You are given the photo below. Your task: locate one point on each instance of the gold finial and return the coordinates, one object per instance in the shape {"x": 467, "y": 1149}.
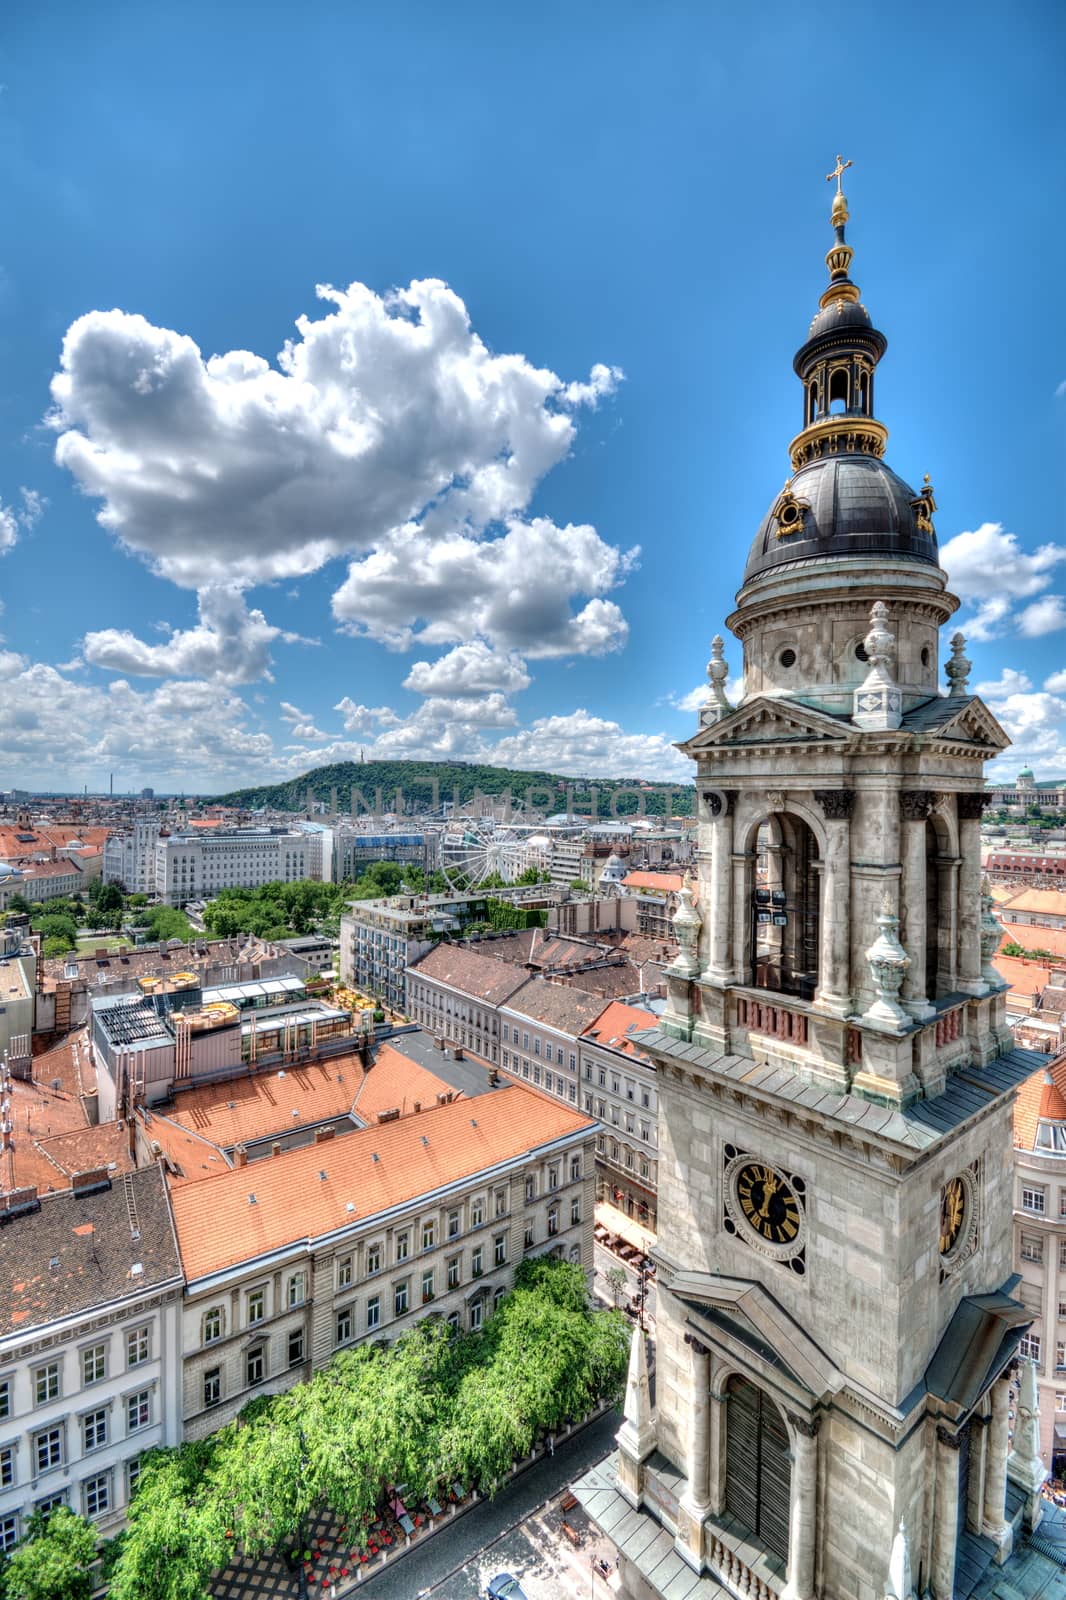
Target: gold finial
{"x": 838, "y": 172}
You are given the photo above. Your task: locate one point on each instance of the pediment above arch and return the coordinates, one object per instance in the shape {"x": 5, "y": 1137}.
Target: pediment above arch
{"x": 949, "y": 718}
{"x": 767, "y": 719}
{"x": 747, "y": 1312}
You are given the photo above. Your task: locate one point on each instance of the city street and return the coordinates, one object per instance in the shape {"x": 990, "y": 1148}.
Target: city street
{"x": 604, "y": 1260}
{"x": 518, "y": 1532}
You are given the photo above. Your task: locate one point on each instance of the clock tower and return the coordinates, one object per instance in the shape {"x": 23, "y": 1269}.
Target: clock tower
{"x": 836, "y": 1324}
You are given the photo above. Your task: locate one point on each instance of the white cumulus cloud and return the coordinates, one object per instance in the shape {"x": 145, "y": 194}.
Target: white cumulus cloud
{"x": 515, "y": 591}
{"x": 363, "y": 719}
{"x": 15, "y": 519}
{"x": 386, "y": 410}
{"x": 473, "y": 668}
{"x": 229, "y": 642}
{"x": 1010, "y": 681}
{"x": 583, "y": 744}
{"x": 301, "y": 724}
{"x": 988, "y": 567}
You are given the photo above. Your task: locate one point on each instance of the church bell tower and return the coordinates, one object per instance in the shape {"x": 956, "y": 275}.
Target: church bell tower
{"x": 835, "y": 1074}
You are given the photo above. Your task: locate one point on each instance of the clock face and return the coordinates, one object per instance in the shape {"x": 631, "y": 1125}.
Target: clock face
{"x": 768, "y": 1204}
{"x": 952, "y": 1214}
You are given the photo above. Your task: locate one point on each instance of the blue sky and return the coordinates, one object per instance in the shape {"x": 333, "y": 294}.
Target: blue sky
{"x": 418, "y": 536}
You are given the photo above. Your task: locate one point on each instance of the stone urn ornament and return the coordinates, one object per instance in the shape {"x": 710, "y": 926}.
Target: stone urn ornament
{"x": 716, "y": 706}
{"x": 877, "y": 702}
{"x": 888, "y": 963}
{"x": 687, "y": 923}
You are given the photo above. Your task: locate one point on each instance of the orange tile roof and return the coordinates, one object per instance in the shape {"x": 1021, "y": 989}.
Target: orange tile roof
{"x": 246, "y": 1109}
{"x": 613, "y": 1024}
{"x": 395, "y": 1081}
{"x": 1032, "y": 938}
{"x": 1040, "y": 1098}
{"x": 1026, "y": 978}
{"x": 1049, "y": 902}
{"x": 668, "y": 882}
{"x": 13, "y": 839}
{"x": 304, "y": 1193}
{"x": 82, "y": 1149}
{"x": 254, "y": 1107}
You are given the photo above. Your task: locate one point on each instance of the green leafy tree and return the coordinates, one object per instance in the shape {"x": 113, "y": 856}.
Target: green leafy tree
{"x": 616, "y": 1282}
{"x": 531, "y": 876}
{"x": 109, "y": 899}
{"x": 18, "y": 903}
{"x": 53, "y": 947}
{"x": 53, "y": 1561}
{"x": 58, "y": 925}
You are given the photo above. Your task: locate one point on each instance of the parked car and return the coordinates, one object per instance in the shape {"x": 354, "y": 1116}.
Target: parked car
{"x": 505, "y": 1586}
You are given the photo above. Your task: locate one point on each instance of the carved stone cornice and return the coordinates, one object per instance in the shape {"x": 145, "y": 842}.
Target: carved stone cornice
{"x": 945, "y": 1436}
{"x": 980, "y": 1422}
{"x": 697, "y": 1346}
{"x": 972, "y": 805}
{"x": 836, "y": 804}
{"x": 917, "y": 804}
{"x": 808, "y": 1426}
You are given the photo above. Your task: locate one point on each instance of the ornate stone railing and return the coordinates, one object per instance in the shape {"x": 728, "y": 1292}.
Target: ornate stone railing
{"x": 949, "y": 1026}
{"x": 771, "y": 1018}
{"x": 734, "y": 1573}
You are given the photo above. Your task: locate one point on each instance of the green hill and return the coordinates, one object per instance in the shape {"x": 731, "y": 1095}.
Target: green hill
{"x": 459, "y": 782}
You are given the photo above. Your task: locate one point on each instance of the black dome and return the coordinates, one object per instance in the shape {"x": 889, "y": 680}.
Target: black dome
{"x": 839, "y": 314}
{"x": 856, "y": 507}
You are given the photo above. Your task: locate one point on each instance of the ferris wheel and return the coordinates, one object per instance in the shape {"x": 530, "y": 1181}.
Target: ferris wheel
{"x": 473, "y": 849}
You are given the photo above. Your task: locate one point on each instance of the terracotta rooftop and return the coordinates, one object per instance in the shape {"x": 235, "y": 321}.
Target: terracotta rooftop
{"x": 1044, "y": 902}
{"x": 15, "y": 841}
{"x": 201, "y": 1126}
{"x": 40, "y": 1113}
{"x": 667, "y": 882}
{"x": 612, "y": 1026}
{"x": 78, "y": 1252}
{"x": 465, "y": 968}
{"x": 1026, "y": 978}
{"x": 302, "y": 1194}
{"x": 251, "y": 1107}
{"x": 83, "y": 1149}
{"x": 1041, "y": 1097}
{"x": 1035, "y": 938}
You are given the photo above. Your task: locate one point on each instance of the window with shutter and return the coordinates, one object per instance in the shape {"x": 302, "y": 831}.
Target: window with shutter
{"x": 758, "y": 1465}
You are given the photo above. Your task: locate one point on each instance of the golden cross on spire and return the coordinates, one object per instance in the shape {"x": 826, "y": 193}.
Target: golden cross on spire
{"x": 838, "y": 172}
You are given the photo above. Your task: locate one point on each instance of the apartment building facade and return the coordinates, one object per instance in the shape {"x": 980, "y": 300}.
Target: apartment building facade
{"x": 196, "y": 864}
{"x": 618, "y": 1089}
{"x": 90, "y": 1355}
{"x": 539, "y": 1029}
{"x": 284, "y": 1269}
{"x": 1040, "y": 1243}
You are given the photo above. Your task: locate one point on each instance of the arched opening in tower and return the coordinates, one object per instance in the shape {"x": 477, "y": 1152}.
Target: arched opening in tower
{"x": 785, "y": 911}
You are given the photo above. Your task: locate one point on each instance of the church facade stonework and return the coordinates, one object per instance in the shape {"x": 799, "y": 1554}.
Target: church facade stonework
{"x": 837, "y": 1328}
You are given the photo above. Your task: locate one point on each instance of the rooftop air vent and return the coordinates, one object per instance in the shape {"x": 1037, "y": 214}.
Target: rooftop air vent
{"x": 252, "y": 1200}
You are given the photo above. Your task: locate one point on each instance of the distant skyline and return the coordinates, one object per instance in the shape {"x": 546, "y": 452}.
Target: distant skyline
{"x": 489, "y": 496}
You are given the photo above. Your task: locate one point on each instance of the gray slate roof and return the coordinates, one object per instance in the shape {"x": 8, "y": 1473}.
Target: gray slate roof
{"x": 79, "y": 1252}
{"x": 918, "y": 1128}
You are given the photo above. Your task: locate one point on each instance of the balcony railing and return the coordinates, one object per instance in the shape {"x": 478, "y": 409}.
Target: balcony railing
{"x": 776, "y": 1021}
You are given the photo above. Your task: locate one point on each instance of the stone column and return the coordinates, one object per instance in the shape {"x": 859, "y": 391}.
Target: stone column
{"x": 742, "y": 863}
{"x": 948, "y": 933}
{"x": 994, "y": 1500}
{"x": 695, "y": 1502}
{"x": 803, "y": 1510}
{"x": 720, "y": 965}
{"x": 834, "y": 956}
{"x": 716, "y": 1486}
{"x": 916, "y": 805}
{"x": 945, "y": 1531}
{"x": 968, "y": 964}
